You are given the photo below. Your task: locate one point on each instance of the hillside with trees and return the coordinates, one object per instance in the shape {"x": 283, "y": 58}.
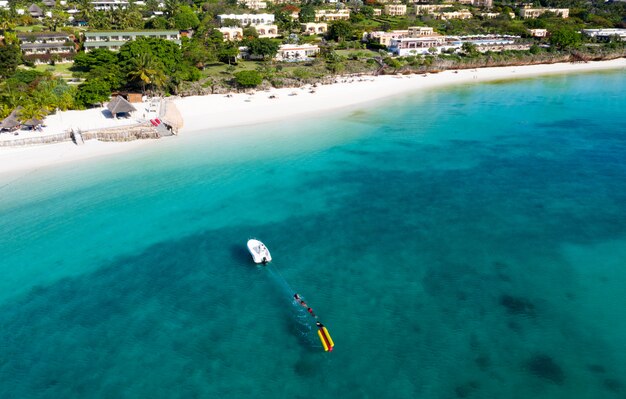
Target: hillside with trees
{"x": 205, "y": 60}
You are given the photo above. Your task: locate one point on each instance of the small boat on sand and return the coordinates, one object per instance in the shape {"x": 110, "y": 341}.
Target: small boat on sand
{"x": 259, "y": 252}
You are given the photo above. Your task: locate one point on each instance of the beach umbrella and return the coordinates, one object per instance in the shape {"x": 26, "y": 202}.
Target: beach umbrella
{"x": 172, "y": 117}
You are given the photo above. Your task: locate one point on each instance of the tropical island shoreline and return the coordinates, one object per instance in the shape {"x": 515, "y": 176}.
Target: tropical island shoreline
{"x": 206, "y": 114}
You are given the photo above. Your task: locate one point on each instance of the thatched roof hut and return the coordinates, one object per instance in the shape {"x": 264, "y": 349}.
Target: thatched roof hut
{"x": 119, "y": 105}
{"x": 9, "y": 123}
{"x": 35, "y": 11}
{"x": 33, "y": 122}
{"x": 12, "y": 121}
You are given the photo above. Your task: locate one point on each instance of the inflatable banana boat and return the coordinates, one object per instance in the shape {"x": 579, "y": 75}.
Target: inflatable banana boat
{"x": 327, "y": 341}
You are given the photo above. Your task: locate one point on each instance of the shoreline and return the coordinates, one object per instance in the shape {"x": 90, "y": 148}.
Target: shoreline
{"x": 205, "y": 114}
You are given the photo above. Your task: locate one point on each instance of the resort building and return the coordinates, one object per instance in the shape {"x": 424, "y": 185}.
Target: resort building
{"x": 231, "y": 33}
{"x": 482, "y": 3}
{"x": 42, "y": 48}
{"x": 113, "y": 40}
{"x": 416, "y": 31}
{"x": 395, "y": 9}
{"x": 314, "y": 28}
{"x": 461, "y": 14}
{"x": 268, "y": 31}
{"x": 528, "y": 12}
{"x": 385, "y": 38}
{"x": 108, "y": 5}
{"x": 606, "y": 34}
{"x": 296, "y": 52}
{"x": 378, "y": 12}
{"x": 4, "y": 4}
{"x": 254, "y": 4}
{"x": 538, "y": 32}
{"x": 417, "y": 45}
{"x": 331, "y": 15}
{"x": 248, "y": 19}
{"x": 489, "y": 15}
{"x": 429, "y": 8}
{"x": 486, "y": 43}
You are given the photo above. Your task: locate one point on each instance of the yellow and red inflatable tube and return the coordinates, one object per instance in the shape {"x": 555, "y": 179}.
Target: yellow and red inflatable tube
{"x": 327, "y": 341}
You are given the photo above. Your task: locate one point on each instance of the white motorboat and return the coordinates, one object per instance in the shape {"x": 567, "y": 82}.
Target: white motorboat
{"x": 259, "y": 252}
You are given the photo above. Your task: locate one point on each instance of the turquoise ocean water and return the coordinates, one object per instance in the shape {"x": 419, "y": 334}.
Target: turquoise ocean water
{"x": 459, "y": 243}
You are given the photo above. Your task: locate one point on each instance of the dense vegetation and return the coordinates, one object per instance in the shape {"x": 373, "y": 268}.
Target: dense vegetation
{"x": 206, "y": 63}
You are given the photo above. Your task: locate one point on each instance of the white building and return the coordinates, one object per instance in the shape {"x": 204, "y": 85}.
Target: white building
{"x": 267, "y": 30}
{"x": 296, "y": 52}
{"x": 418, "y": 45}
{"x": 395, "y": 9}
{"x": 248, "y": 19}
{"x": 528, "y": 12}
{"x": 384, "y": 38}
{"x": 331, "y": 15}
{"x": 105, "y": 5}
{"x": 416, "y": 31}
{"x": 606, "y": 34}
{"x": 461, "y": 14}
{"x": 231, "y": 33}
{"x": 254, "y": 4}
{"x": 538, "y": 32}
{"x": 113, "y": 40}
{"x": 314, "y": 28}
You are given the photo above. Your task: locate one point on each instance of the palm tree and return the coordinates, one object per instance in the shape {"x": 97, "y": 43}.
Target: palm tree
{"x": 6, "y": 22}
{"x": 86, "y": 10}
{"x": 146, "y": 71}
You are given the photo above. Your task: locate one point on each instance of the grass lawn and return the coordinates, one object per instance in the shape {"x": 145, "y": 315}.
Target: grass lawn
{"x": 222, "y": 70}
{"x": 29, "y": 28}
{"x": 362, "y": 53}
{"x": 58, "y": 69}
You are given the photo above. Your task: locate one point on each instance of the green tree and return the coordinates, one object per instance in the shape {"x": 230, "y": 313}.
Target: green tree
{"x": 470, "y": 49}
{"x": 93, "y": 91}
{"x": 196, "y": 53}
{"x": 100, "y": 20}
{"x": 166, "y": 52}
{"x": 172, "y": 7}
{"x": 228, "y": 54}
{"x": 264, "y": 47}
{"x": 186, "y": 18}
{"x": 86, "y": 10}
{"x": 146, "y": 71}
{"x": 157, "y": 23}
{"x": 248, "y": 78}
{"x": 565, "y": 38}
{"x": 95, "y": 58}
{"x": 307, "y": 13}
{"x": 250, "y": 32}
{"x": 393, "y": 63}
{"x": 7, "y": 22}
{"x": 10, "y": 58}
{"x": 340, "y": 30}
{"x": 367, "y": 11}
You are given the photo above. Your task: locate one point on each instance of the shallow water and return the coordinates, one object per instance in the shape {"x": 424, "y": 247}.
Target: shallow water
{"x": 466, "y": 242}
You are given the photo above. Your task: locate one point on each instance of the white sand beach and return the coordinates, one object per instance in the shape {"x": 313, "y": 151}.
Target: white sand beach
{"x": 207, "y": 114}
